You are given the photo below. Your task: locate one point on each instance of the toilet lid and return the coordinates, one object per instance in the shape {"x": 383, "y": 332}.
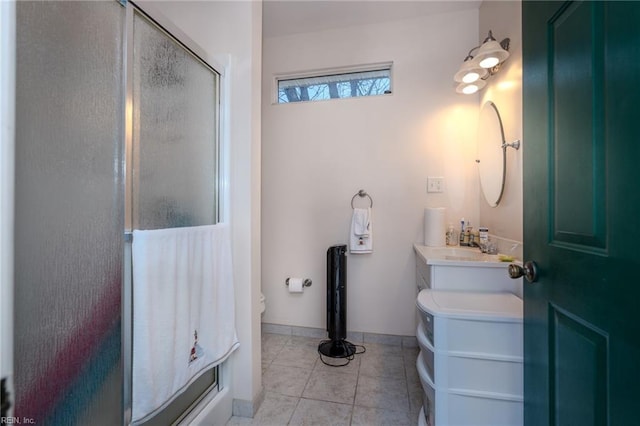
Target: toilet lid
{"x": 469, "y": 305}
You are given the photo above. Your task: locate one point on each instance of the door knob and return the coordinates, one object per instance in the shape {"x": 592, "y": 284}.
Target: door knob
{"x": 529, "y": 270}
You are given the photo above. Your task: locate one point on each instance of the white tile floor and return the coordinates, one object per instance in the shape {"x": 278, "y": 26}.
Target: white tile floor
{"x": 379, "y": 387}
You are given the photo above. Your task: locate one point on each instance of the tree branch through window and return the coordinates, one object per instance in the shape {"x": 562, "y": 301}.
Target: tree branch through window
{"x": 335, "y": 86}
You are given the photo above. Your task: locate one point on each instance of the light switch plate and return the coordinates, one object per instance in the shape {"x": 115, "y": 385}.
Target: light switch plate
{"x": 435, "y": 184}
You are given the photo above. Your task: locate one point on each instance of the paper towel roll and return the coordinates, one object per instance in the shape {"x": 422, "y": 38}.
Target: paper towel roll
{"x": 434, "y": 227}
{"x": 295, "y": 285}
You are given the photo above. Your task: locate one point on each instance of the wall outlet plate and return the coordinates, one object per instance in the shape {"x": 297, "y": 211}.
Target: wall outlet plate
{"x": 435, "y": 184}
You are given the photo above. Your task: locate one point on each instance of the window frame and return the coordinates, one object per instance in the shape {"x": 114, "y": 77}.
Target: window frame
{"x": 325, "y": 72}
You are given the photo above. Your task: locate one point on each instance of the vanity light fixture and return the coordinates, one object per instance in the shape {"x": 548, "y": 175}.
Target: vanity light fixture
{"x": 475, "y": 70}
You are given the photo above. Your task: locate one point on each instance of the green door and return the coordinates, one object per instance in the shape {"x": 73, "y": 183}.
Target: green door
{"x": 581, "y": 78}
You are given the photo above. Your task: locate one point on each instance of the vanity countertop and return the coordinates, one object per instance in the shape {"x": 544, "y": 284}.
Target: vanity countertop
{"x": 458, "y": 256}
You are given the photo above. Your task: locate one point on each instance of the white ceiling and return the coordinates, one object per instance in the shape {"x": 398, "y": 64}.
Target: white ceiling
{"x": 286, "y": 17}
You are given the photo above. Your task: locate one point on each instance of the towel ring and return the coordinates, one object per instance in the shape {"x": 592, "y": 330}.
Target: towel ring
{"x": 362, "y": 193}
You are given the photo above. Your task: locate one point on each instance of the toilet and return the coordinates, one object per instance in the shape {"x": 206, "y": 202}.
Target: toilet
{"x": 262, "y": 304}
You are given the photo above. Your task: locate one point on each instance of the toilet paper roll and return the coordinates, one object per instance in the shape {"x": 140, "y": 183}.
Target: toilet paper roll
{"x": 295, "y": 285}
{"x": 434, "y": 227}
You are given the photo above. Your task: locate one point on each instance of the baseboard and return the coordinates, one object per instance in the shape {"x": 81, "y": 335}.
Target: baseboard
{"x": 244, "y": 408}
{"x": 352, "y": 336}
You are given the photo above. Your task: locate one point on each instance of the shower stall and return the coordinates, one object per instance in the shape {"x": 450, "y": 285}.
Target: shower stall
{"x": 116, "y": 129}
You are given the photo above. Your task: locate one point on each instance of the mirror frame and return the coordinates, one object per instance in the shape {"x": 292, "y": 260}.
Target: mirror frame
{"x": 503, "y": 146}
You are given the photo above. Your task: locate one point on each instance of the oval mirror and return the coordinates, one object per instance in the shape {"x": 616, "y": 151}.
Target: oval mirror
{"x": 491, "y": 157}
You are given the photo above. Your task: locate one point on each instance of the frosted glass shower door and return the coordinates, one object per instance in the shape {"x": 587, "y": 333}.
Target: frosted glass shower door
{"x": 173, "y": 155}
{"x": 69, "y": 212}
{"x": 175, "y": 102}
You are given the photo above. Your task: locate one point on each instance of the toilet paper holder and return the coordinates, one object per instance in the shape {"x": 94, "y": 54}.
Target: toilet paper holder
{"x": 305, "y": 283}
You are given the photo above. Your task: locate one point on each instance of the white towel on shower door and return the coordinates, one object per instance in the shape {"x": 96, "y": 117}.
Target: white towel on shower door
{"x": 183, "y": 311}
{"x": 361, "y": 237}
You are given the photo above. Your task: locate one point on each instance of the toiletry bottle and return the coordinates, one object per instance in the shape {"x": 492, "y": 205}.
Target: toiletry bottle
{"x": 461, "y": 232}
{"x": 467, "y": 236}
{"x": 484, "y": 235}
{"x": 452, "y": 236}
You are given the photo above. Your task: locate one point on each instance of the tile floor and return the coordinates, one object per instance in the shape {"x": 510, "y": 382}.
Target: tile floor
{"x": 378, "y": 387}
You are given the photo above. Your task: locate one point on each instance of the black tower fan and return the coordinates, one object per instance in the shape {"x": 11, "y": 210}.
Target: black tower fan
{"x": 337, "y": 346}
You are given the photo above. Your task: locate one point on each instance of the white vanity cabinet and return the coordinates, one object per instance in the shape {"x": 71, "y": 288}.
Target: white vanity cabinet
{"x": 463, "y": 269}
{"x": 470, "y": 361}
{"x": 470, "y": 337}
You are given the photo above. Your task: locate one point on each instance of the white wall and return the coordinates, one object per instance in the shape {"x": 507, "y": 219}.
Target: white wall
{"x": 231, "y": 32}
{"x": 317, "y": 155}
{"x": 505, "y": 90}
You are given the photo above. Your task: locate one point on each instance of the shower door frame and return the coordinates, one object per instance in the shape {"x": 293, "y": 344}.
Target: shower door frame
{"x": 7, "y": 146}
{"x": 221, "y": 177}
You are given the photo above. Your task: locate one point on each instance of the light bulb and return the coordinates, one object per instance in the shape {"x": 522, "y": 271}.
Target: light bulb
{"x": 470, "y": 89}
{"x": 489, "y": 62}
{"x": 470, "y": 77}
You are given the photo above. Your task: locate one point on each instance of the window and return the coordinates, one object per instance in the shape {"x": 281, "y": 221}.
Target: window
{"x": 335, "y": 85}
